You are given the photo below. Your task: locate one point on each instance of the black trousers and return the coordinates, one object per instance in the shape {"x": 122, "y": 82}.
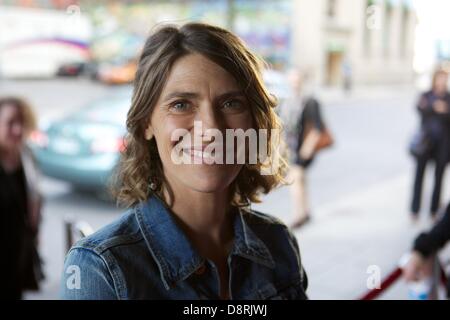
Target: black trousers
{"x": 440, "y": 157}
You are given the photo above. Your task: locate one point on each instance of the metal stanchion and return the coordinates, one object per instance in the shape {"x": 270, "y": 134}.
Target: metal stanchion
{"x": 68, "y": 233}
{"x": 75, "y": 231}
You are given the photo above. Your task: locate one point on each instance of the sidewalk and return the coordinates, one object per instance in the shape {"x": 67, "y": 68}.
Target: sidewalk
{"x": 336, "y": 95}
{"x": 362, "y": 229}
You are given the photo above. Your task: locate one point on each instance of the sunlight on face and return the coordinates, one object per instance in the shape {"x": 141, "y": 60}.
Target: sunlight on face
{"x": 11, "y": 127}
{"x": 441, "y": 83}
{"x": 196, "y": 90}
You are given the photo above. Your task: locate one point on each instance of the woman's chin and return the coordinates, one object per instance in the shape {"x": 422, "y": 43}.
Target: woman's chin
{"x": 209, "y": 186}
{"x": 208, "y": 182}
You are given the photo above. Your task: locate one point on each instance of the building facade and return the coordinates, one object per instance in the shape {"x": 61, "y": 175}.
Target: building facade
{"x": 368, "y": 41}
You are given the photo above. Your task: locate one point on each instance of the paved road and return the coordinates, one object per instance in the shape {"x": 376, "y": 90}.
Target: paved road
{"x": 359, "y": 189}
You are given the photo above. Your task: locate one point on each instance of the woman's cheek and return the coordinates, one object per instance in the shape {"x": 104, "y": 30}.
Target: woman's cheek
{"x": 243, "y": 121}
{"x": 169, "y": 134}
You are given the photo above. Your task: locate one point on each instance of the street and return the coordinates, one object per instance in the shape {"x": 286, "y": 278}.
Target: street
{"x": 360, "y": 189}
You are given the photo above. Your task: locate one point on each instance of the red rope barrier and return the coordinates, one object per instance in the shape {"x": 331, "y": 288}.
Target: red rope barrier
{"x": 387, "y": 282}
{"x": 393, "y": 277}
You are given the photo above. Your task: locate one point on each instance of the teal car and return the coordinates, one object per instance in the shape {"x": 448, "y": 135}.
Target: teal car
{"x": 84, "y": 148}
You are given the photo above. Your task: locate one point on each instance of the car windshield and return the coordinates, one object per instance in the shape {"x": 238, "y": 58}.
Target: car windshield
{"x": 111, "y": 110}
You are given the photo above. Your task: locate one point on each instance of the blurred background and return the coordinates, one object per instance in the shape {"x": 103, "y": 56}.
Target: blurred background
{"x": 366, "y": 61}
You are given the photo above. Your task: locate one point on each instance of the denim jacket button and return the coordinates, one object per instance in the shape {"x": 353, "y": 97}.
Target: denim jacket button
{"x": 201, "y": 270}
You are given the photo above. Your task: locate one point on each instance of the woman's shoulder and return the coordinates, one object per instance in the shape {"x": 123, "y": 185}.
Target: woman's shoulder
{"x": 267, "y": 226}
{"x": 122, "y": 231}
{"x": 426, "y": 94}
{"x": 311, "y": 102}
{"x": 257, "y": 217}
{"x": 279, "y": 240}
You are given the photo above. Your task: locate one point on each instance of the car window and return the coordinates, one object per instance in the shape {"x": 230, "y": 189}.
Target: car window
{"x": 106, "y": 110}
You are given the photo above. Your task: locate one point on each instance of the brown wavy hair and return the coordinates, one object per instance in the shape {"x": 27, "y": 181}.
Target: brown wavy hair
{"x": 140, "y": 162}
{"x": 26, "y": 112}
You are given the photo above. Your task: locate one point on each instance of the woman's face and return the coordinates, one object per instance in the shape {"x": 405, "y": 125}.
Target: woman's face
{"x": 11, "y": 127}
{"x": 198, "y": 90}
{"x": 441, "y": 83}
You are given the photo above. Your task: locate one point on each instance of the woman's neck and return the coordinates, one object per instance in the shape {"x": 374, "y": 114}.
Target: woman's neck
{"x": 204, "y": 215}
{"x": 439, "y": 93}
{"x": 9, "y": 159}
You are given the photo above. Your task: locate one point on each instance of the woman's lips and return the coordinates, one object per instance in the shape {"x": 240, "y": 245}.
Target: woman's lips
{"x": 199, "y": 154}
{"x": 204, "y": 154}
{"x": 215, "y": 154}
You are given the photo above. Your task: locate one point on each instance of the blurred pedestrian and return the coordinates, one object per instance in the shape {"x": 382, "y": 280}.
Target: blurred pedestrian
{"x": 347, "y": 76}
{"x": 306, "y": 137}
{"x": 432, "y": 142}
{"x": 20, "y": 201}
{"x": 425, "y": 246}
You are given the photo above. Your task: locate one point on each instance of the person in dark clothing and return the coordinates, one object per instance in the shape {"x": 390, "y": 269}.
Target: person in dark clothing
{"x": 310, "y": 123}
{"x": 434, "y": 109}
{"x": 19, "y": 199}
{"x": 13, "y": 212}
{"x": 304, "y": 126}
{"x": 425, "y": 246}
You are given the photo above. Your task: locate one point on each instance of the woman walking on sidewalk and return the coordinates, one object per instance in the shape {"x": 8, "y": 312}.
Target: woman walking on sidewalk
{"x": 433, "y": 141}
{"x": 306, "y": 137}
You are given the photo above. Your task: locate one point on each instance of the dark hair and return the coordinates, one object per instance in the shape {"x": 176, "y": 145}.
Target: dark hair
{"x": 140, "y": 161}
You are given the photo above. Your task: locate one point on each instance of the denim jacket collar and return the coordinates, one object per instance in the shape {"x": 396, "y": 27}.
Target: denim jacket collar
{"x": 176, "y": 258}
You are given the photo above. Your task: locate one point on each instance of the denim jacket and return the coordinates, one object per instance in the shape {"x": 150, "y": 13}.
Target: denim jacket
{"x": 145, "y": 255}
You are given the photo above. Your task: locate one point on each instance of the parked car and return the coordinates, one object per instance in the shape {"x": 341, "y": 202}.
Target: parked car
{"x": 276, "y": 83}
{"x": 84, "y": 148}
{"x": 118, "y": 71}
{"x": 71, "y": 69}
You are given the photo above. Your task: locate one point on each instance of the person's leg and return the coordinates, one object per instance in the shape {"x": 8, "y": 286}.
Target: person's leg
{"x": 448, "y": 288}
{"x": 299, "y": 196}
{"x": 418, "y": 183}
{"x": 438, "y": 177}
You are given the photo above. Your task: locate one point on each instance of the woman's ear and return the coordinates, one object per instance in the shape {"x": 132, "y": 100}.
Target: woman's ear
{"x": 149, "y": 133}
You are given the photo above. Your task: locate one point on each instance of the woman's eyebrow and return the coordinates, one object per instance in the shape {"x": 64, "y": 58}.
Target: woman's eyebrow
{"x": 238, "y": 93}
{"x": 181, "y": 94}
{"x": 192, "y": 95}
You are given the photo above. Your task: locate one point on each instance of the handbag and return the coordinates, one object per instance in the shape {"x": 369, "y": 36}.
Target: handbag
{"x": 325, "y": 140}
{"x": 420, "y": 144}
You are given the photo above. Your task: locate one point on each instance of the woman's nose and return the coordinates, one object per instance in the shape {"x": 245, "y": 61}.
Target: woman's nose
{"x": 17, "y": 130}
{"x": 209, "y": 117}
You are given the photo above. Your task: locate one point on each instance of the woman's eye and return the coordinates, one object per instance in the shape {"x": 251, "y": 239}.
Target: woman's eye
{"x": 180, "y": 106}
{"x": 233, "y": 104}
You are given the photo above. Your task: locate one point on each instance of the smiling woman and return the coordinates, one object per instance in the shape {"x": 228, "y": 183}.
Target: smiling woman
{"x": 189, "y": 232}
